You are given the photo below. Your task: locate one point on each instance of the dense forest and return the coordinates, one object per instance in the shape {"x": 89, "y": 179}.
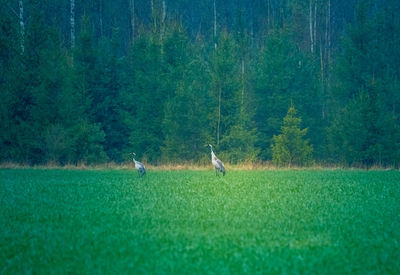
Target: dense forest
{"x": 90, "y": 81}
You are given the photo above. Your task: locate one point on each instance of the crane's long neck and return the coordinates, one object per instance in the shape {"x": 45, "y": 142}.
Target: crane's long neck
{"x": 212, "y": 153}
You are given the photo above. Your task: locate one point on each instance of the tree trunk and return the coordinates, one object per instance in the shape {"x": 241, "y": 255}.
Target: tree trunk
{"x": 22, "y": 25}
{"x": 101, "y": 17}
{"x": 311, "y": 28}
{"x": 251, "y": 27}
{"x": 315, "y": 26}
{"x": 322, "y": 81}
{"x": 268, "y": 16}
{"x": 329, "y": 35}
{"x": 164, "y": 12}
{"x": 328, "y": 50}
{"x": 72, "y": 22}
{"x": 132, "y": 6}
{"x": 153, "y": 16}
{"x": 215, "y": 25}
{"x": 163, "y": 17}
{"x": 329, "y": 30}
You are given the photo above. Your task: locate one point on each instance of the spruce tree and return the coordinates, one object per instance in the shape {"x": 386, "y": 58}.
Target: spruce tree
{"x": 290, "y": 147}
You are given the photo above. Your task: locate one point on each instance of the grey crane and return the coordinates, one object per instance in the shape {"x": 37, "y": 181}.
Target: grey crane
{"x": 139, "y": 166}
{"x": 219, "y": 166}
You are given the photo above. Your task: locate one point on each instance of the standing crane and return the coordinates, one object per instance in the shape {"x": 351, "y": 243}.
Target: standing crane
{"x": 219, "y": 166}
{"x": 139, "y": 166}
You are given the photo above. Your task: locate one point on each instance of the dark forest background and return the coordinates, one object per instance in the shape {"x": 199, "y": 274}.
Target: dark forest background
{"x": 90, "y": 81}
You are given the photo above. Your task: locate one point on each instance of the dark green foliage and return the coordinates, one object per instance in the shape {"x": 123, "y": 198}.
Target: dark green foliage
{"x": 366, "y": 130}
{"x": 9, "y": 68}
{"x": 290, "y": 148}
{"x": 185, "y": 123}
{"x": 89, "y": 137}
{"x": 144, "y": 98}
{"x": 239, "y": 145}
{"x": 150, "y": 80}
{"x": 283, "y": 74}
{"x": 364, "y": 134}
{"x": 225, "y": 84}
{"x": 107, "y": 99}
{"x": 39, "y": 91}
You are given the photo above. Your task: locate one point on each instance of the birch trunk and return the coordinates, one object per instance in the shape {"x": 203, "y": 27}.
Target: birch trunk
{"x": 163, "y": 16}
{"x": 101, "y": 17}
{"x": 329, "y": 31}
{"x": 132, "y": 4}
{"x": 328, "y": 47}
{"x": 322, "y": 80}
{"x": 72, "y": 22}
{"x": 215, "y": 25}
{"x": 152, "y": 15}
{"x": 164, "y": 12}
{"x": 251, "y": 27}
{"x": 311, "y": 27}
{"x": 268, "y": 16}
{"x": 315, "y": 26}
{"x": 22, "y": 25}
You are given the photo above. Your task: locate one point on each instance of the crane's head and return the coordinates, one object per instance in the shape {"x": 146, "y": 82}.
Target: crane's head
{"x": 210, "y": 145}
{"x": 132, "y": 154}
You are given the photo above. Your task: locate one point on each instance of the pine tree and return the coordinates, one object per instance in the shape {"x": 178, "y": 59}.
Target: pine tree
{"x": 290, "y": 147}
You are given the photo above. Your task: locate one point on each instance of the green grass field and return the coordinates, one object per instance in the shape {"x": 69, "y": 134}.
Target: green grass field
{"x": 283, "y": 221}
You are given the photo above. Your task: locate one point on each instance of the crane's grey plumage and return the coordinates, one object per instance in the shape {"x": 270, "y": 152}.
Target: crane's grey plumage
{"x": 219, "y": 166}
{"x": 139, "y": 166}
